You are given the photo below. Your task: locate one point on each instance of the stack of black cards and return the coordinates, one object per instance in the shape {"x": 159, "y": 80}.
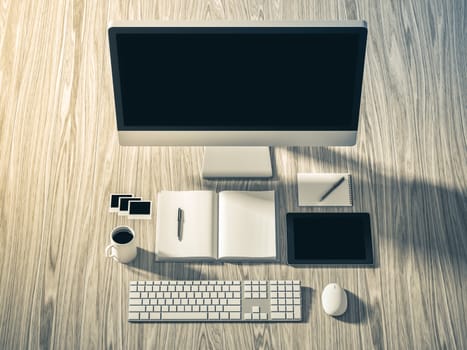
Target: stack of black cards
{"x": 131, "y": 206}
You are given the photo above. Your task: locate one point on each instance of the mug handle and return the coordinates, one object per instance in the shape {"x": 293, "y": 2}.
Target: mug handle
{"x": 107, "y": 249}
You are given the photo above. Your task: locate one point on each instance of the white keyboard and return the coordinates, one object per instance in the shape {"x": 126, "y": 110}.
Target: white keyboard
{"x": 218, "y": 301}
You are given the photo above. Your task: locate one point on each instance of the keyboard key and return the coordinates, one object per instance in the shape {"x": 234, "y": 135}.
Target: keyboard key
{"x": 136, "y": 308}
{"x": 234, "y": 302}
{"x": 224, "y": 315}
{"x": 184, "y": 316}
{"x": 144, "y": 316}
{"x": 213, "y": 315}
{"x": 235, "y": 315}
{"x": 247, "y": 316}
{"x": 133, "y": 316}
{"x": 155, "y": 316}
{"x": 232, "y": 308}
{"x": 297, "y": 312}
{"x": 277, "y": 315}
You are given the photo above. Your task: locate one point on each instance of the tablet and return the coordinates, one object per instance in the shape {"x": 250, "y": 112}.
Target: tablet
{"x": 329, "y": 238}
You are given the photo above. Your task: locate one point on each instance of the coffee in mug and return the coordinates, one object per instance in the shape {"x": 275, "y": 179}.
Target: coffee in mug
{"x": 122, "y": 247}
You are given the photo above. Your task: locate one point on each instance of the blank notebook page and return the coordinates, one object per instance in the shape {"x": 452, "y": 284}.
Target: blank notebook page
{"x": 247, "y": 224}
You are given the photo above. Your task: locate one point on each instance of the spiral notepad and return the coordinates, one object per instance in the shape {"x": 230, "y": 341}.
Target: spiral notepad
{"x": 311, "y": 187}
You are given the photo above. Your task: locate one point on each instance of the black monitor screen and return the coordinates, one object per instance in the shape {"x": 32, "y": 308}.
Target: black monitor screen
{"x": 237, "y": 78}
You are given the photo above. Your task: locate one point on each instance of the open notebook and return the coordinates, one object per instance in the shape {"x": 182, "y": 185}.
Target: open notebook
{"x": 231, "y": 225}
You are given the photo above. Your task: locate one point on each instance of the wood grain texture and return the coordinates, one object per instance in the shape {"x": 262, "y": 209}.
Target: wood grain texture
{"x": 60, "y": 159}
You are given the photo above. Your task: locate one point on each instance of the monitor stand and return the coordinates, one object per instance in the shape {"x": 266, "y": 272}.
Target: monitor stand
{"x": 237, "y": 162}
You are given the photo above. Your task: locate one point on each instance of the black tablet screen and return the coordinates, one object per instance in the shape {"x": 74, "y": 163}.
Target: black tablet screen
{"x": 329, "y": 238}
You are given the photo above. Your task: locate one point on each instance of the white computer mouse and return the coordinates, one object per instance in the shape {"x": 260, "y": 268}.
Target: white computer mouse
{"x": 334, "y": 299}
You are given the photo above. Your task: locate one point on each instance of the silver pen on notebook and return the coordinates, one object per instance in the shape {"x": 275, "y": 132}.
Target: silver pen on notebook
{"x": 323, "y": 197}
{"x": 179, "y": 223}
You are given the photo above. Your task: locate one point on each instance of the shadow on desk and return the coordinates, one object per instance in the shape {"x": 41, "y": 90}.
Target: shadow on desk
{"x": 356, "y": 310}
{"x": 414, "y": 216}
{"x": 307, "y": 295}
{"x": 146, "y": 261}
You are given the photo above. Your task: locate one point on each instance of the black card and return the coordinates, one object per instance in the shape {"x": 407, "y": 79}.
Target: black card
{"x": 140, "y": 208}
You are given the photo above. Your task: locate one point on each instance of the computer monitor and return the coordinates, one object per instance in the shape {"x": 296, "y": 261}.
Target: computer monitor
{"x": 247, "y": 83}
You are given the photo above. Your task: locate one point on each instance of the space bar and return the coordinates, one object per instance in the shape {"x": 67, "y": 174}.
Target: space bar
{"x": 184, "y": 316}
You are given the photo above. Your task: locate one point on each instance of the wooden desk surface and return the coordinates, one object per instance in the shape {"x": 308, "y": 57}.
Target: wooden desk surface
{"x": 60, "y": 159}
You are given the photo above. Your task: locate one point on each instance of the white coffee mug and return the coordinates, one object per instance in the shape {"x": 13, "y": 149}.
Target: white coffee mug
{"x": 122, "y": 247}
